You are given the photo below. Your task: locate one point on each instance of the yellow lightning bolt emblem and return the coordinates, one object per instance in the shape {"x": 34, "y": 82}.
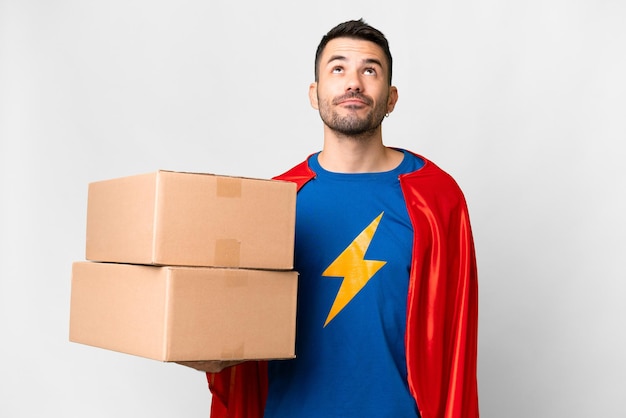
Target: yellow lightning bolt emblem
{"x": 355, "y": 270}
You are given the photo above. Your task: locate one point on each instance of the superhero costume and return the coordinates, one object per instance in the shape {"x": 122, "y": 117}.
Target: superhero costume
{"x": 441, "y": 334}
{"x": 353, "y": 251}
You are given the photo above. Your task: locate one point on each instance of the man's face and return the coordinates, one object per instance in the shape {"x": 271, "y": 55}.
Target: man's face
{"x": 352, "y": 93}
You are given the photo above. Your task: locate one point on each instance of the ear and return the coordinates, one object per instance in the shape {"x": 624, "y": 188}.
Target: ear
{"x": 313, "y": 96}
{"x": 393, "y": 99}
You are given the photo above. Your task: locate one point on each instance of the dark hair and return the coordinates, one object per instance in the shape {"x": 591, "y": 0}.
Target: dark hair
{"x": 356, "y": 29}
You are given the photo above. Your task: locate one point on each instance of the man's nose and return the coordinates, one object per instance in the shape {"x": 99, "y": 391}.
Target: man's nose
{"x": 354, "y": 82}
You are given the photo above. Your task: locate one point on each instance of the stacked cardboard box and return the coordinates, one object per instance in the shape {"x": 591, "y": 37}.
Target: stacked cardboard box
{"x": 188, "y": 267}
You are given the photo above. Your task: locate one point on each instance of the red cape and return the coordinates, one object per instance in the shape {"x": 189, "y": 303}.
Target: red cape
{"x": 442, "y": 309}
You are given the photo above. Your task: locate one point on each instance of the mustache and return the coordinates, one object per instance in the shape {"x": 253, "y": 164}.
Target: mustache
{"x": 352, "y": 95}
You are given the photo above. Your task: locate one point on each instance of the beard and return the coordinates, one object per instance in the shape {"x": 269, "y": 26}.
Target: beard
{"x": 351, "y": 124}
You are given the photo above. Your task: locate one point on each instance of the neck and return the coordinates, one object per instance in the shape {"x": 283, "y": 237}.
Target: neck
{"x": 365, "y": 154}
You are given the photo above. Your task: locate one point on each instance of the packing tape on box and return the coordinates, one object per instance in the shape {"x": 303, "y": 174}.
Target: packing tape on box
{"x": 236, "y": 278}
{"x": 236, "y": 353}
{"x": 228, "y": 187}
{"x": 227, "y": 251}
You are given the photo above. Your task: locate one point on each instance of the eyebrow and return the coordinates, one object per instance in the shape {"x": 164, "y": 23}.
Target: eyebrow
{"x": 365, "y": 61}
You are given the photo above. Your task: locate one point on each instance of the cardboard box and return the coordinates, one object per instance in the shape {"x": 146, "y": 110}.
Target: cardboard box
{"x": 188, "y": 219}
{"x": 184, "y": 313}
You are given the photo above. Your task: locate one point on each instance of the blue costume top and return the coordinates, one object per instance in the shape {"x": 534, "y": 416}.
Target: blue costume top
{"x": 353, "y": 253}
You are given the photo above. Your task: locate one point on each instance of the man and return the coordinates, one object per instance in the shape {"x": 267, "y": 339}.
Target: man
{"x": 387, "y": 303}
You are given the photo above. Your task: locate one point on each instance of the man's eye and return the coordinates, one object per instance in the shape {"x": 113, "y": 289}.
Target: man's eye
{"x": 369, "y": 71}
{"x": 337, "y": 70}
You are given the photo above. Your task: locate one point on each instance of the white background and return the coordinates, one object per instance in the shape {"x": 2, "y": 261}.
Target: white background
{"x": 523, "y": 102}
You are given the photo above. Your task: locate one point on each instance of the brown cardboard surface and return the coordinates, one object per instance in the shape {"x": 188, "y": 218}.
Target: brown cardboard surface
{"x": 191, "y": 219}
{"x": 184, "y": 313}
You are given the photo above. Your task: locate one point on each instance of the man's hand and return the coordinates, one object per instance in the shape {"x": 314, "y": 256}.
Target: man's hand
{"x": 212, "y": 366}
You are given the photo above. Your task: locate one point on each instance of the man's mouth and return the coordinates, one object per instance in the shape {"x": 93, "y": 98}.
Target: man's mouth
{"x": 352, "y": 99}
